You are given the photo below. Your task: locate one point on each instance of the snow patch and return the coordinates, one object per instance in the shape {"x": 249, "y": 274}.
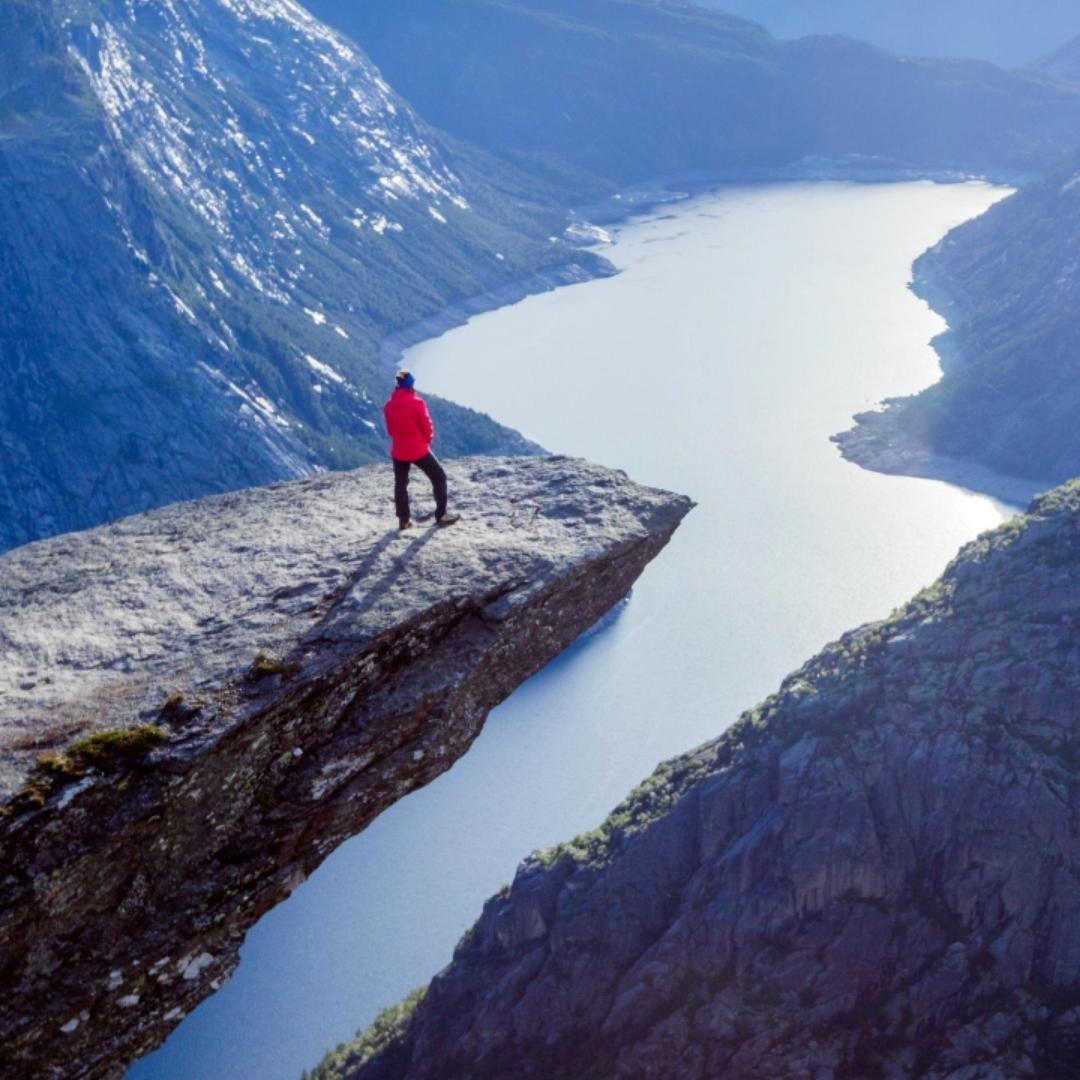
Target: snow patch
{"x": 324, "y": 369}
{"x": 581, "y": 232}
{"x": 382, "y": 224}
{"x": 312, "y": 215}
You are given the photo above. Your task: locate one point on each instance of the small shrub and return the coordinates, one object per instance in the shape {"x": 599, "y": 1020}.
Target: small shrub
{"x": 263, "y": 666}
{"x": 57, "y": 766}
{"x": 117, "y": 748}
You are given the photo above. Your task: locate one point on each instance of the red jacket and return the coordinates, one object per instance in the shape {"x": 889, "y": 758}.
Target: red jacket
{"x": 408, "y": 423}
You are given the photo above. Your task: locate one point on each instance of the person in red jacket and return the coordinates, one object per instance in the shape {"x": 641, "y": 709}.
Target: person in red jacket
{"x": 408, "y": 423}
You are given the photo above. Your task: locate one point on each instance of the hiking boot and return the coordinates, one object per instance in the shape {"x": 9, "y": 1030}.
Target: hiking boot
{"x": 405, "y": 525}
{"x": 447, "y": 519}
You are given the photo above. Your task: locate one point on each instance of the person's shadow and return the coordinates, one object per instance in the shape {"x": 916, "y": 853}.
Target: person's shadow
{"x": 380, "y": 585}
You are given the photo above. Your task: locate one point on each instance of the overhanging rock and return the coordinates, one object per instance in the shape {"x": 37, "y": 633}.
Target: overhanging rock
{"x": 197, "y": 705}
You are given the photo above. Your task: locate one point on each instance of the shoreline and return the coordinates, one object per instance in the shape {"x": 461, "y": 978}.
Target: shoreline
{"x": 395, "y": 345}
{"x": 876, "y": 443}
{"x": 640, "y": 199}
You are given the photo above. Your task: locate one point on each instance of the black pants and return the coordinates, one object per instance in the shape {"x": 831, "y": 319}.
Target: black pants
{"x": 430, "y": 467}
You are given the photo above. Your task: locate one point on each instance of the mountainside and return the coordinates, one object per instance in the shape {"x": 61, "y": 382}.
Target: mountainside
{"x": 1009, "y": 285}
{"x": 625, "y": 91}
{"x": 197, "y": 705}
{"x": 874, "y": 874}
{"x": 211, "y": 212}
{"x": 1007, "y": 32}
{"x": 1062, "y": 63}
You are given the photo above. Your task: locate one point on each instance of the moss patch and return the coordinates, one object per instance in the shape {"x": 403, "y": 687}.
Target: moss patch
{"x": 263, "y": 666}
{"x": 118, "y": 748}
{"x": 108, "y": 751}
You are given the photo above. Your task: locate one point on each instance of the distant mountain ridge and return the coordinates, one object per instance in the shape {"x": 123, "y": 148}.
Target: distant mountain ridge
{"x": 1007, "y": 32}
{"x": 1063, "y": 63}
{"x": 624, "y": 91}
{"x": 212, "y": 211}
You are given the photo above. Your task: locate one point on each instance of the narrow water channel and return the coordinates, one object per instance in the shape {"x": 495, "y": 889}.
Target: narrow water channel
{"x": 746, "y": 327}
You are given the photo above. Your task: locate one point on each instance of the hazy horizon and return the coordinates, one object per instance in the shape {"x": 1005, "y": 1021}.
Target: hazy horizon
{"x": 1006, "y": 32}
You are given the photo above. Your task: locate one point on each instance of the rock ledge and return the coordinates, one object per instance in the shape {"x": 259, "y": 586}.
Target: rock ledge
{"x": 198, "y": 704}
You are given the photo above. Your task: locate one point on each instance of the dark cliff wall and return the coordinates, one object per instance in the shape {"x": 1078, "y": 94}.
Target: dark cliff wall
{"x": 875, "y": 873}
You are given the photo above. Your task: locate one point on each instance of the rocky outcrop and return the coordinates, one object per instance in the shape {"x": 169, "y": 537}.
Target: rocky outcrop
{"x": 874, "y": 874}
{"x": 198, "y": 704}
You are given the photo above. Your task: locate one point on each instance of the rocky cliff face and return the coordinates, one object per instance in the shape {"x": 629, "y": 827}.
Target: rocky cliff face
{"x": 211, "y": 213}
{"x": 198, "y": 704}
{"x": 874, "y": 874}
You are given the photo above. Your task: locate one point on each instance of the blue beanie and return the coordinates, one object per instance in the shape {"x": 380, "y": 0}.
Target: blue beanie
{"x": 405, "y": 380}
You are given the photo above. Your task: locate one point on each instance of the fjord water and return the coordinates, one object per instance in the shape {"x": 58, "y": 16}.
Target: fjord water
{"x": 745, "y": 328}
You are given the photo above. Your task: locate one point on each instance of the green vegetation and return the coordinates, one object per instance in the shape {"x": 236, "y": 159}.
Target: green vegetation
{"x": 649, "y": 801}
{"x": 386, "y": 1029}
{"x": 118, "y": 748}
{"x": 262, "y": 667}
{"x": 111, "y": 751}
{"x": 1061, "y": 500}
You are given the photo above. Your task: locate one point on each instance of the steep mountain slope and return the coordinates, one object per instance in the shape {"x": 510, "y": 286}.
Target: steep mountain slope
{"x": 211, "y": 211}
{"x": 628, "y": 90}
{"x": 874, "y": 874}
{"x": 1009, "y": 285}
{"x": 1007, "y": 32}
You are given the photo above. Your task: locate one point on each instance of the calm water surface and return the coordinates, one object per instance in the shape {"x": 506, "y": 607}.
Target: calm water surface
{"x": 747, "y": 327}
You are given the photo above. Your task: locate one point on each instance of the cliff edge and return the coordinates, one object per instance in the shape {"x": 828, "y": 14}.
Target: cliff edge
{"x": 199, "y": 703}
{"x": 874, "y": 874}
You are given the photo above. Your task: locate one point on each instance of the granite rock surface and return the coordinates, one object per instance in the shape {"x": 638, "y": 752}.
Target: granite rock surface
{"x": 199, "y": 703}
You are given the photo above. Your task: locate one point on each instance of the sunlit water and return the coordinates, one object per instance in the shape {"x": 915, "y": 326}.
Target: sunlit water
{"x": 746, "y": 327}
